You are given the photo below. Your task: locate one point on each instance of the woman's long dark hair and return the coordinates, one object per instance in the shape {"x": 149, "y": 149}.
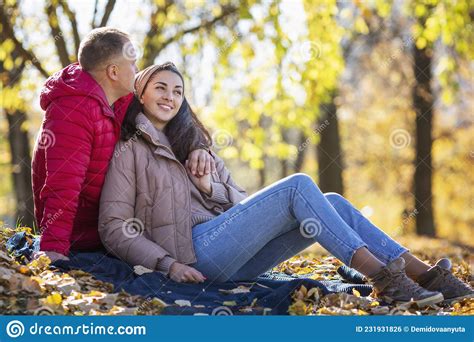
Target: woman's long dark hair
{"x": 185, "y": 132}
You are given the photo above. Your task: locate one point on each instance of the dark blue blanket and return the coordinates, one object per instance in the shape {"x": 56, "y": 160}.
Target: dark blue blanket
{"x": 272, "y": 290}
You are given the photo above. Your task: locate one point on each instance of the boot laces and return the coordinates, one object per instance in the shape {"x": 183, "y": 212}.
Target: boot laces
{"x": 407, "y": 283}
{"x": 452, "y": 280}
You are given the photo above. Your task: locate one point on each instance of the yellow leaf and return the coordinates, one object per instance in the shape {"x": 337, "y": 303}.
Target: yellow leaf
{"x": 303, "y": 289}
{"x": 361, "y": 26}
{"x": 356, "y": 293}
{"x": 54, "y": 299}
{"x": 8, "y": 64}
{"x": 24, "y": 269}
{"x": 421, "y": 43}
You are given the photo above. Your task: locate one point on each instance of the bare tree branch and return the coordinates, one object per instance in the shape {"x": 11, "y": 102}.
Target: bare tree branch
{"x": 152, "y": 50}
{"x": 26, "y": 54}
{"x": 204, "y": 25}
{"x": 108, "y": 11}
{"x": 57, "y": 34}
{"x": 72, "y": 18}
{"x": 96, "y": 4}
{"x": 148, "y": 46}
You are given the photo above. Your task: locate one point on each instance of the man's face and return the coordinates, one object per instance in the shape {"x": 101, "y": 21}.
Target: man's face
{"x": 127, "y": 68}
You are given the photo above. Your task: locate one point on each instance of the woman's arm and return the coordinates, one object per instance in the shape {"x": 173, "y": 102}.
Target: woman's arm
{"x": 117, "y": 215}
{"x": 225, "y": 192}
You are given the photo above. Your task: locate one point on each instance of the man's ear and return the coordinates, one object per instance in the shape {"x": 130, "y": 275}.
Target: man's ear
{"x": 112, "y": 71}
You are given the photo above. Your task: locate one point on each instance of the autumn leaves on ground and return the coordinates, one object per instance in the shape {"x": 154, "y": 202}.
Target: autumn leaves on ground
{"x": 34, "y": 289}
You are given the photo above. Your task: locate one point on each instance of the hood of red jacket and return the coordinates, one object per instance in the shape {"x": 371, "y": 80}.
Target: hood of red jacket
{"x": 72, "y": 81}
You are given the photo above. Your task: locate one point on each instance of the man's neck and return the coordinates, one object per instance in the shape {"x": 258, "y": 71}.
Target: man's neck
{"x": 110, "y": 95}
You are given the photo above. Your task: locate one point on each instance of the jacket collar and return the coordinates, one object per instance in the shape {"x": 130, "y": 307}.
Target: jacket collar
{"x": 144, "y": 125}
{"x": 146, "y": 129}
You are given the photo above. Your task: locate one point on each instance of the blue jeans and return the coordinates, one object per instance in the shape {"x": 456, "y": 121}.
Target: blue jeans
{"x": 277, "y": 223}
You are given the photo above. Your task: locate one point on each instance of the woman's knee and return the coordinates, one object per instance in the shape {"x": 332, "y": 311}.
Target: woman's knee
{"x": 334, "y": 197}
{"x": 300, "y": 178}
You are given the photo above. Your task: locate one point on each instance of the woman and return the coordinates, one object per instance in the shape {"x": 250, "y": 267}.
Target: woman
{"x": 156, "y": 213}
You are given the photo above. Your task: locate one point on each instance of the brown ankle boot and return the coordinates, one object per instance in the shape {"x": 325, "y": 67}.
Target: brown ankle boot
{"x": 439, "y": 278}
{"x": 392, "y": 285}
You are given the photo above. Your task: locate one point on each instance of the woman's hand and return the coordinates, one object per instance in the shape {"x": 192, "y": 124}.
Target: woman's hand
{"x": 201, "y": 163}
{"x": 183, "y": 273}
{"x": 53, "y": 256}
{"x": 203, "y": 183}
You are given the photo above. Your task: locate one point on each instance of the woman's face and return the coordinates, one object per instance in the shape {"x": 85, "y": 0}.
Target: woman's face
{"x": 162, "y": 98}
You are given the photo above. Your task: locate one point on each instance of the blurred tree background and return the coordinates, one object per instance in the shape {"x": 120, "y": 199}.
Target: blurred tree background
{"x": 374, "y": 99}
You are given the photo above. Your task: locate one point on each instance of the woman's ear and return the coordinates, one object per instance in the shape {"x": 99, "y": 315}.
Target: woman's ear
{"x": 141, "y": 100}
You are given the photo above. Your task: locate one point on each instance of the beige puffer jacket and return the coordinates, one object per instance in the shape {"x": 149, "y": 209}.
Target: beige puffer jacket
{"x": 145, "y": 206}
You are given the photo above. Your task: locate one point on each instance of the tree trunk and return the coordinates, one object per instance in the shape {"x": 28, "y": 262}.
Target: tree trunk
{"x": 284, "y": 164}
{"x": 17, "y": 134}
{"x": 261, "y": 178}
{"x": 301, "y": 153}
{"x": 21, "y": 167}
{"x": 329, "y": 150}
{"x": 423, "y": 105}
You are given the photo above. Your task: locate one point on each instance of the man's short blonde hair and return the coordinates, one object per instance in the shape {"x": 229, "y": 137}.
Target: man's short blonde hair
{"x": 100, "y": 45}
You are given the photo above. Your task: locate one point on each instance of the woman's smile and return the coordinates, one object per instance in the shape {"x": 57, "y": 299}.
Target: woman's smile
{"x": 165, "y": 107}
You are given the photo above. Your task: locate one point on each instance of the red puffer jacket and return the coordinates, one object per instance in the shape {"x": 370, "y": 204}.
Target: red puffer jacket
{"x": 71, "y": 158}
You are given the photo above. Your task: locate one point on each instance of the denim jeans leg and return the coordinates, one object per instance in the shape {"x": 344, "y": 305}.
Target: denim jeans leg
{"x": 379, "y": 243}
{"x": 273, "y": 253}
{"x": 226, "y": 243}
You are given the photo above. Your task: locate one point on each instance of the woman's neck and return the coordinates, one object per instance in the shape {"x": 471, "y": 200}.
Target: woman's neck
{"x": 159, "y": 125}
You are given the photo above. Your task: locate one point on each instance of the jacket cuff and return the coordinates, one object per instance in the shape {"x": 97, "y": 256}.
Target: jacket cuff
{"x": 202, "y": 146}
{"x": 219, "y": 193}
{"x": 164, "y": 264}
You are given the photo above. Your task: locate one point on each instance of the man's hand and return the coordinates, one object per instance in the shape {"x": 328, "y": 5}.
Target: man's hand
{"x": 54, "y": 256}
{"x": 203, "y": 183}
{"x": 183, "y": 273}
{"x": 201, "y": 163}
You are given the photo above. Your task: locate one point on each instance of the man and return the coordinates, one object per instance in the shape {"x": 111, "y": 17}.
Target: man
{"x": 85, "y": 104}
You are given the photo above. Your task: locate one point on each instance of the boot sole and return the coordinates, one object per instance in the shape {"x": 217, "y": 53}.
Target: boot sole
{"x": 457, "y": 299}
{"x": 421, "y": 302}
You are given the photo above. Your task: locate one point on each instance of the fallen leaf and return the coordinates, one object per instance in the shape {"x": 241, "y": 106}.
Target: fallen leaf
{"x": 182, "y": 302}
{"x": 239, "y": 289}
{"x": 229, "y": 303}
{"x": 54, "y": 299}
